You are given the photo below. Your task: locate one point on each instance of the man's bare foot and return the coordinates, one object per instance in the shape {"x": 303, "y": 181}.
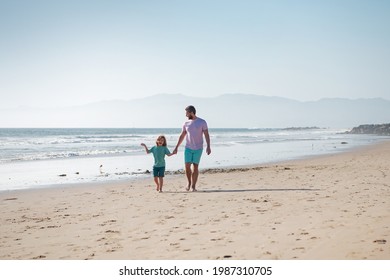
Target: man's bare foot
{"x": 194, "y": 190}
{"x": 188, "y": 188}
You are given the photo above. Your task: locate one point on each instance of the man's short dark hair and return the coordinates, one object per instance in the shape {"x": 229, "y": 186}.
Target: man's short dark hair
{"x": 191, "y": 109}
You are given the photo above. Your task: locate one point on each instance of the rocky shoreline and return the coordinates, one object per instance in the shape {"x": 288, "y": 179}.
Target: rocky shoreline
{"x": 378, "y": 129}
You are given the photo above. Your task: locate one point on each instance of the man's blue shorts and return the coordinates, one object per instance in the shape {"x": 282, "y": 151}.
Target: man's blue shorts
{"x": 192, "y": 156}
{"x": 158, "y": 171}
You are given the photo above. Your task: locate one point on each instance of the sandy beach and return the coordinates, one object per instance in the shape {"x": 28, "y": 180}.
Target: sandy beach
{"x": 330, "y": 207}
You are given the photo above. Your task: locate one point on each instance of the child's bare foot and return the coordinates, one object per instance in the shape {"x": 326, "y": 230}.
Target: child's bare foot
{"x": 194, "y": 190}
{"x": 188, "y": 188}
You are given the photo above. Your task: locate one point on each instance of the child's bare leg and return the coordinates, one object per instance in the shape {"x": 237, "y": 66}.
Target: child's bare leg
{"x": 161, "y": 181}
{"x": 157, "y": 183}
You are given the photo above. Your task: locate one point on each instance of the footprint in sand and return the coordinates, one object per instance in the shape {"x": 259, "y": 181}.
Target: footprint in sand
{"x": 146, "y": 237}
{"x": 39, "y": 257}
{"x": 90, "y": 256}
{"x": 12, "y": 198}
{"x": 299, "y": 248}
{"x": 112, "y": 231}
{"x": 107, "y": 222}
{"x": 380, "y": 241}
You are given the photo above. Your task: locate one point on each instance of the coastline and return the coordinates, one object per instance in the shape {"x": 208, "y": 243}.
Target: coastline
{"x": 35, "y": 159}
{"x": 324, "y": 207}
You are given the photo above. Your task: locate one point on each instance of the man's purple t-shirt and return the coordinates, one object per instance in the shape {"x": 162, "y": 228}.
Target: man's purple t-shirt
{"x": 194, "y": 136}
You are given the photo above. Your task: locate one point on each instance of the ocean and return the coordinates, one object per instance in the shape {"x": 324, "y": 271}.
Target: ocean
{"x": 37, "y": 157}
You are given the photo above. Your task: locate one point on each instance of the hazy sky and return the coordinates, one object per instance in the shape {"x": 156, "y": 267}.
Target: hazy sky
{"x": 60, "y": 53}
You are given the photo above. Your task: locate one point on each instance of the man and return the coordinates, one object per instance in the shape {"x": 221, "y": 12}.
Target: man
{"x": 193, "y": 130}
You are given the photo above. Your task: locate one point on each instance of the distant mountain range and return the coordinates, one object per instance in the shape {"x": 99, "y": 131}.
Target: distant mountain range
{"x": 229, "y": 110}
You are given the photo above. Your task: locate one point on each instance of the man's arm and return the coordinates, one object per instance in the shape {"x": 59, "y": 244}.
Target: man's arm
{"x": 181, "y": 138}
{"x": 207, "y": 137}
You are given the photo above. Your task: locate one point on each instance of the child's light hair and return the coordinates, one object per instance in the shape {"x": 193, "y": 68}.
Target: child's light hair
{"x": 163, "y": 138}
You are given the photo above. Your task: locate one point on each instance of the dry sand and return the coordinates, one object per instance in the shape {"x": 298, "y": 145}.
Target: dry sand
{"x": 332, "y": 207}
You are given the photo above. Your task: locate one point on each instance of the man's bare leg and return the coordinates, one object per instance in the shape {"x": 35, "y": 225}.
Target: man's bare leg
{"x": 189, "y": 175}
{"x": 195, "y": 174}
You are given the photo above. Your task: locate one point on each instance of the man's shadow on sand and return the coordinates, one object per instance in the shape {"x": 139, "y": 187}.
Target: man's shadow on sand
{"x": 246, "y": 190}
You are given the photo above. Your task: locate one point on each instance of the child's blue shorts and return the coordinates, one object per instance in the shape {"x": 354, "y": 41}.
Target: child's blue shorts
{"x": 158, "y": 171}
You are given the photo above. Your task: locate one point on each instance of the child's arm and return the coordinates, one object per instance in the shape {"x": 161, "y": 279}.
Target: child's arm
{"x": 168, "y": 152}
{"x": 146, "y": 148}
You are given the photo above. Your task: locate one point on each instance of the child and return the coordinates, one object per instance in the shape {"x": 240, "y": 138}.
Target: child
{"x": 159, "y": 153}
